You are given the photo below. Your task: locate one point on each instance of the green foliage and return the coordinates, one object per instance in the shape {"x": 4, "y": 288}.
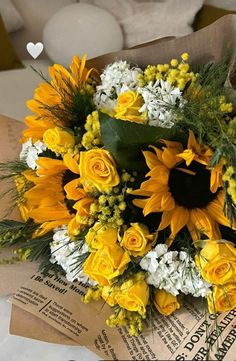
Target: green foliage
{"x": 14, "y": 232}
{"x": 126, "y": 140}
{"x": 183, "y": 242}
{"x": 132, "y": 269}
{"x": 77, "y": 265}
{"x": 47, "y": 266}
{"x": 9, "y": 170}
{"x": 202, "y": 112}
{"x": 75, "y": 104}
{"x": 215, "y": 74}
{"x": 203, "y": 116}
{"x": 39, "y": 247}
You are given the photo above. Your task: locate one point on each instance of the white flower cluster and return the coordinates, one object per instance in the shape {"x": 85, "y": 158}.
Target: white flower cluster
{"x": 159, "y": 97}
{"x": 117, "y": 78}
{"x": 173, "y": 271}
{"x": 30, "y": 152}
{"x": 65, "y": 254}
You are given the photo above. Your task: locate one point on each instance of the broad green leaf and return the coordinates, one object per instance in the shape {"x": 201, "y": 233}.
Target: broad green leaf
{"x": 126, "y": 140}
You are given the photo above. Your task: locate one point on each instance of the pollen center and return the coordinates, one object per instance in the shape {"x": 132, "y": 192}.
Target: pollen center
{"x": 191, "y": 189}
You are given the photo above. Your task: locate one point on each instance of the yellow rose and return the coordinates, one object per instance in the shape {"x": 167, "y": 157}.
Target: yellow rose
{"x": 222, "y": 299}
{"x": 128, "y": 105}
{"x": 101, "y": 235}
{"x": 74, "y": 228}
{"x": 98, "y": 167}
{"x": 217, "y": 262}
{"x": 134, "y": 295}
{"x": 137, "y": 239}
{"x": 109, "y": 294}
{"x": 83, "y": 209}
{"x": 106, "y": 263}
{"x": 59, "y": 140}
{"x": 165, "y": 302}
{"x": 82, "y": 217}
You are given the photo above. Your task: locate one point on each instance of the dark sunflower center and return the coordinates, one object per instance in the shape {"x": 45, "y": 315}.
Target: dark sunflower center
{"x": 191, "y": 190}
{"x": 67, "y": 177}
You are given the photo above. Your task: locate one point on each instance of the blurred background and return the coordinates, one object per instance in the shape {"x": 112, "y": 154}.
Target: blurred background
{"x": 95, "y": 27}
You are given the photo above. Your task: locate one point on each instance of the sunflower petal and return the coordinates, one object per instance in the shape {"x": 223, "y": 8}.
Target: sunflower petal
{"x": 167, "y": 202}
{"x": 141, "y": 203}
{"x": 48, "y": 226}
{"x": 169, "y": 157}
{"x": 153, "y": 204}
{"x": 215, "y": 209}
{"x": 151, "y": 159}
{"x": 179, "y": 219}
{"x": 153, "y": 185}
{"x": 165, "y": 220}
{"x": 204, "y": 223}
{"x": 161, "y": 173}
{"x": 74, "y": 190}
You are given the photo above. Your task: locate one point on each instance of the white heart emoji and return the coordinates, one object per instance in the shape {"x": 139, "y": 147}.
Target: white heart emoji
{"x": 34, "y": 49}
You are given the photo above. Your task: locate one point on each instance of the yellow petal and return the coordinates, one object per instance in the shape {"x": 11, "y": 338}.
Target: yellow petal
{"x": 48, "y": 226}
{"x": 141, "y": 203}
{"x": 179, "y": 219}
{"x": 74, "y": 191}
{"x": 140, "y": 192}
{"x": 193, "y": 231}
{"x": 215, "y": 209}
{"x": 72, "y": 163}
{"x": 167, "y": 202}
{"x": 188, "y": 155}
{"x": 45, "y": 214}
{"x": 169, "y": 157}
{"x": 153, "y": 185}
{"x": 49, "y": 166}
{"x": 151, "y": 159}
{"x": 192, "y": 142}
{"x": 161, "y": 173}
{"x": 153, "y": 204}
{"x": 204, "y": 223}
{"x": 165, "y": 220}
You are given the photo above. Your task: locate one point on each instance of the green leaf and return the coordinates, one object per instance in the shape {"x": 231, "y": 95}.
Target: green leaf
{"x": 126, "y": 140}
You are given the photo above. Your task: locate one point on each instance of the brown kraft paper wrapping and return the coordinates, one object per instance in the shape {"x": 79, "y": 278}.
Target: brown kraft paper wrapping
{"x": 12, "y": 275}
{"x": 178, "y": 337}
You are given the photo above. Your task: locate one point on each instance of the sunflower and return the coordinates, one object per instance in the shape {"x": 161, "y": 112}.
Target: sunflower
{"x": 184, "y": 188}
{"x": 51, "y": 97}
{"x": 55, "y": 194}
{"x": 36, "y": 128}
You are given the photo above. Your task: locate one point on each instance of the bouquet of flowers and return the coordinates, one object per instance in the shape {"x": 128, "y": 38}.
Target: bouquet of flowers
{"x": 127, "y": 182}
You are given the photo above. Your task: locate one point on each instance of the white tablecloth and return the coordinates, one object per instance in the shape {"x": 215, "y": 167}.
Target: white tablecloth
{"x": 15, "y": 348}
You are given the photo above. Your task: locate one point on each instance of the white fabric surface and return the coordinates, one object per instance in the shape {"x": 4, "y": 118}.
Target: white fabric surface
{"x": 15, "y": 348}
{"x": 223, "y": 4}
{"x": 11, "y": 18}
{"x": 17, "y": 86}
{"x": 35, "y": 14}
{"x": 146, "y": 21}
